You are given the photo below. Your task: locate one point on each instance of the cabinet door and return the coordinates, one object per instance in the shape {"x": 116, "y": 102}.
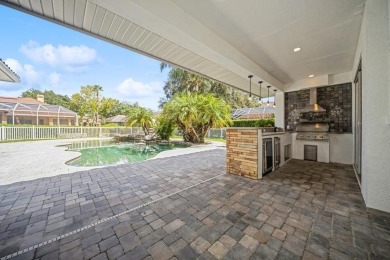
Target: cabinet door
{"x": 276, "y": 152}
{"x": 267, "y": 155}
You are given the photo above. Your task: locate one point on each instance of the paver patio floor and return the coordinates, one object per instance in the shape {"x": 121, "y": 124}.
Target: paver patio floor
{"x": 303, "y": 210}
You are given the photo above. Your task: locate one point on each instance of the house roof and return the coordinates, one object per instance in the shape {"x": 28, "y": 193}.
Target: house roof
{"x": 255, "y": 116}
{"x": 32, "y": 107}
{"x": 25, "y": 100}
{"x": 253, "y": 112}
{"x": 6, "y": 74}
{"x": 117, "y": 119}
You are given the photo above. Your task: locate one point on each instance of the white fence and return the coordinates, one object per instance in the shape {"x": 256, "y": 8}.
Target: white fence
{"x": 34, "y": 133}
{"x": 212, "y": 133}
{"x": 216, "y": 133}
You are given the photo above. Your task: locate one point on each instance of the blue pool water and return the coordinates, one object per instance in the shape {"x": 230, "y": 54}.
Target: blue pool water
{"x": 100, "y": 153}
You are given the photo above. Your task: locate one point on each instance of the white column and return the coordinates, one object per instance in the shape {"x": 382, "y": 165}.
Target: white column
{"x": 375, "y": 105}
{"x": 279, "y": 109}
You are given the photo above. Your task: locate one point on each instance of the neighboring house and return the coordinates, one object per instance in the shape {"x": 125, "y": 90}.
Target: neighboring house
{"x": 16, "y": 111}
{"x": 119, "y": 120}
{"x": 254, "y": 113}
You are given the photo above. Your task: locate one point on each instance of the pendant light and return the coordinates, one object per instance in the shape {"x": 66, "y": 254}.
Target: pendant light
{"x": 275, "y": 97}
{"x": 260, "y": 88}
{"x": 250, "y": 85}
{"x": 268, "y": 95}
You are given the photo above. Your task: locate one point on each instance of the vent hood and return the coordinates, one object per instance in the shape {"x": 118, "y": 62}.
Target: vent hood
{"x": 313, "y": 106}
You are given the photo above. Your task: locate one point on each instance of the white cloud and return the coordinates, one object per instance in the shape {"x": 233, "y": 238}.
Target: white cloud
{"x": 29, "y": 76}
{"x": 131, "y": 88}
{"x": 145, "y": 94}
{"x": 69, "y": 58}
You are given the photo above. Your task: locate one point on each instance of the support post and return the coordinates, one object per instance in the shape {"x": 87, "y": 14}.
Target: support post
{"x": 37, "y": 114}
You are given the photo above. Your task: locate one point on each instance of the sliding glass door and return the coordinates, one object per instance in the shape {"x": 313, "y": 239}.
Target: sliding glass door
{"x": 358, "y": 122}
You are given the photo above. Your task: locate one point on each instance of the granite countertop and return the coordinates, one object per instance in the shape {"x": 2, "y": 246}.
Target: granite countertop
{"x": 336, "y": 133}
{"x": 273, "y": 133}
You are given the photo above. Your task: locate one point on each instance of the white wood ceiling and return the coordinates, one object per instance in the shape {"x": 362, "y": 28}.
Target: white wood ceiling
{"x": 267, "y": 31}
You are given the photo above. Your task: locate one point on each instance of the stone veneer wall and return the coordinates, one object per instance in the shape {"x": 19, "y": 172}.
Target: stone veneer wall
{"x": 242, "y": 152}
{"x": 295, "y": 100}
{"x": 337, "y": 95}
{"x": 328, "y": 97}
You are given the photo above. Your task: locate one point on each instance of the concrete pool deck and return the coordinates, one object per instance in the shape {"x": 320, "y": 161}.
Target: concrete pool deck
{"x": 25, "y": 161}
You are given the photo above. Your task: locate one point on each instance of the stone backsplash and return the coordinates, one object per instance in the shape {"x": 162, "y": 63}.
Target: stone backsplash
{"x": 336, "y": 99}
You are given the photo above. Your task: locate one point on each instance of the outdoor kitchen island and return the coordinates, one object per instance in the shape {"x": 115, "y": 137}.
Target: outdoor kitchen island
{"x": 255, "y": 151}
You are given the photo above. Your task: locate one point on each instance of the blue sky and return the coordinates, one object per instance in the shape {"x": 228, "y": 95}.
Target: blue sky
{"x": 48, "y": 56}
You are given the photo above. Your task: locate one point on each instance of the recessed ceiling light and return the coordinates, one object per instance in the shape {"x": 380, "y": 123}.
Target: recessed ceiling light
{"x": 297, "y": 49}
{"x": 310, "y": 76}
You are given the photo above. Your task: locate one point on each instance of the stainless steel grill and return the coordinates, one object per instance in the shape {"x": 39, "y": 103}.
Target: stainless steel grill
{"x": 313, "y": 131}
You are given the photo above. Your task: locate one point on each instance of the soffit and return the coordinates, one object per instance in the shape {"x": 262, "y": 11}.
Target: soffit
{"x": 6, "y": 74}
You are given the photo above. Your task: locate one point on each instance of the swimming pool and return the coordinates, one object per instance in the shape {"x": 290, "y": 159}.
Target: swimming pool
{"x": 108, "y": 152}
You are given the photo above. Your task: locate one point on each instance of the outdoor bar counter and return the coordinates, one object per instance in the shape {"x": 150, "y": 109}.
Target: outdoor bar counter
{"x": 245, "y": 150}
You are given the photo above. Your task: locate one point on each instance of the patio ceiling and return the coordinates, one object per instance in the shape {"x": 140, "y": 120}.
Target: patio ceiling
{"x": 223, "y": 40}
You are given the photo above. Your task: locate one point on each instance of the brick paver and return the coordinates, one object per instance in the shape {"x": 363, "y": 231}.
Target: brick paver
{"x": 303, "y": 210}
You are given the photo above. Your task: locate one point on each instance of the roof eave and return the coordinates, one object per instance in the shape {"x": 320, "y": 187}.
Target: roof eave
{"x": 6, "y": 74}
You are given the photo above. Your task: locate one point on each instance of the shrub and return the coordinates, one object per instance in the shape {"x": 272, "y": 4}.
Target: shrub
{"x": 110, "y": 125}
{"x": 164, "y": 129}
{"x": 266, "y": 122}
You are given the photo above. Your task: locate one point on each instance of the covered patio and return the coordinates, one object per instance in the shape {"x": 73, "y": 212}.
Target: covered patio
{"x": 187, "y": 207}
{"x": 287, "y": 46}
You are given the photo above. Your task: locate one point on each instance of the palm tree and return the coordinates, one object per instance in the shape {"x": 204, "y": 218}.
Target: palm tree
{"x": 180, "y": 80}
{"x": 140, "y": 116}
{"x": 195, "y": 114}
{"x": 97, "y": 89}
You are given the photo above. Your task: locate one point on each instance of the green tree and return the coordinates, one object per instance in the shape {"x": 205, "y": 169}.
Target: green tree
{"x": 108, "y": 106}
{"x": 50, "y": 97}
{"x": 87, "y": 102}
{"x": 164, "y": 127}
{"x": 95, "y": 102}
{"x": 122, "y": 108}
{"x": 77, "y": 104}
{"x": 180, "y": 80}
{"x": 142, "y": 117}
{"x": 194, "y": 114}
